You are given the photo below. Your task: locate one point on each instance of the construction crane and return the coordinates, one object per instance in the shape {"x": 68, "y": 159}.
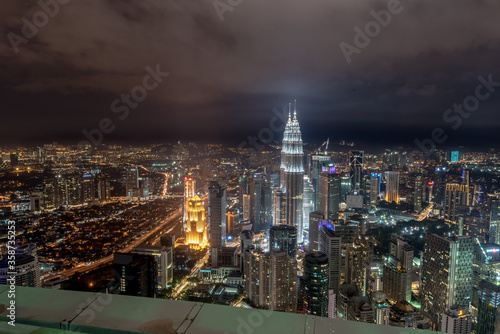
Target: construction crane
{"x": 326, "y": 142}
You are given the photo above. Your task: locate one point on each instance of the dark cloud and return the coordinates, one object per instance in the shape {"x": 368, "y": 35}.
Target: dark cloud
{"x": 226, "y": 76}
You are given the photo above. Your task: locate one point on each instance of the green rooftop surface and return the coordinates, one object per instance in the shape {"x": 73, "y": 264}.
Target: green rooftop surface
{"x": 42, "y": 311}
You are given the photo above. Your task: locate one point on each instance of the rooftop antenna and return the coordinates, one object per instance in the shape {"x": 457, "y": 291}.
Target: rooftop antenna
{"x": 295, "y": 109}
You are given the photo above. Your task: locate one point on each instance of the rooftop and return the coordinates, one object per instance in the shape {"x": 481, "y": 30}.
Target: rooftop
{"x": 59, "y": 311}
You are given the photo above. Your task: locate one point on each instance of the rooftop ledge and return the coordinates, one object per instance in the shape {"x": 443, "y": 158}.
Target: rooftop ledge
{"x": 62, "y": 311}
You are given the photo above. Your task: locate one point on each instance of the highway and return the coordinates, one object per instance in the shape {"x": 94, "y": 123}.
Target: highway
{"x": 136, "y": 243}
{"x": 194, "y": 272}
{"x": 425, "y": 212}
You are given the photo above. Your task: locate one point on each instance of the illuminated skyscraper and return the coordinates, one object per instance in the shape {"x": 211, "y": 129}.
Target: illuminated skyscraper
{"x": 283, "y": 238}
{"x": 329, "y": 193}
{"x": 271, "y": 280}
{"x": 417, "y": 195}
{"x": 398, "y": 271}
{"x": 456, "y": 195}
{"x": 356, "y": 169}
{"x": 374, "y": 188}
{"x": 315, "y": 279}
{"x": 189, "y": 192}
{"x": 216, "y": 220}
{"x": 454, "y": 156}
{"x": 330, "y": 243}
{"x": 495, "y": 221}
{"x": 318, "y": 160}
{"x": 292, "y": 173}
{"x": 392, "y": 187}
{"x": 196, "y": 230}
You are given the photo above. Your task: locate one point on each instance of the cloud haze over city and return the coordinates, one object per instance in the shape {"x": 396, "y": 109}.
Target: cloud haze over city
{"x": 228, "y": 69}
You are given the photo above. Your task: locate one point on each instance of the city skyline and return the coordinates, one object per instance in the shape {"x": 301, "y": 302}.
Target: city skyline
{"x": 257, "y": 166}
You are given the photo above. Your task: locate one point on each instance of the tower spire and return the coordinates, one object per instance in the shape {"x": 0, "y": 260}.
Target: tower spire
{"x": 289, "y": 111}
{"x": 295, "y": 109}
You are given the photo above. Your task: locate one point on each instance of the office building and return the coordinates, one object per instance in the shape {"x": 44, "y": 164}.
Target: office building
{"x": 189, "y": 192}
{"x": 232, "y": 220}
{"x": 164, "y": 263}
{"x": 315, "y": 268}
{"x": 392, "y": 186}
{"x": 488, "y": 316}
{"x": 196, "y": 230}
{"x": 136, "y": 274}
{"x": 292, "y": 174}
{"x": 318, "y": 161}
{"x": 216, "y": 220}
{"x": 374, "y": 190}
{"x": 283, "y": 238}
{"x": 418, "y": 193}
{"x": 486, "y": 266}
{"x": 307, "y": 206}
{"x": 314, "y": 218}
{"x": 356, "y": 170}
{"x": 494, "y": 228}
{"x": 246, "y": 207}
{"x": 330, "y": 243}
{"x": 134, "y": 188}
{"x": 439, "y": 185}
{"x": 255, "y": 191}
{"x": 345, "y": 187}
{"x": 329, "y": 193}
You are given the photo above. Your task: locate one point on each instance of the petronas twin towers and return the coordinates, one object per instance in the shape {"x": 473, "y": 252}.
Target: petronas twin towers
{"x": 292, "y": 173}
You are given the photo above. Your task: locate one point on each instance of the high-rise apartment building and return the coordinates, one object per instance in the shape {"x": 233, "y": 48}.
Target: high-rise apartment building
{"x": 397, "y": 276}
{"x": 456, "y": 195}
{"x": 456, "y": 321}
{"x": 26, "y": 268}
{"x": 446, "y": 274}
{"x": 271, "y": 280}
{"x": 357, "y": 254}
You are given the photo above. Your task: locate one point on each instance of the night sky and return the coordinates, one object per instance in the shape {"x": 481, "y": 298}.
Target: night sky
{"x": 226, "y": 76}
